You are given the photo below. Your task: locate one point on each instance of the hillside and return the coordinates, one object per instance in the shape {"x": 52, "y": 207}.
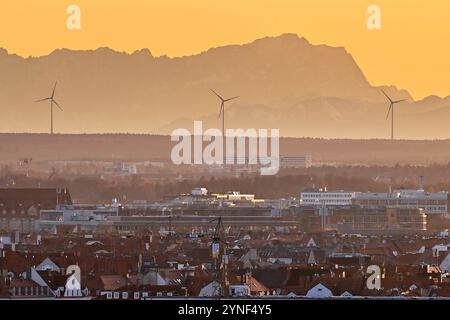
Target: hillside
{"x": 283, "y": 82}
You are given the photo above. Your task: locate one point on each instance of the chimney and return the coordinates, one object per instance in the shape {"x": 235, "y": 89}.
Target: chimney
{"x": 16, "y": 237}
{"x": 28, "y": 273}
{"x": 2, "y": 256}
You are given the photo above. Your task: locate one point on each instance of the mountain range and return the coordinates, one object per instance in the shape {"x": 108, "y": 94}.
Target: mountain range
{"x": 284, "y": 82}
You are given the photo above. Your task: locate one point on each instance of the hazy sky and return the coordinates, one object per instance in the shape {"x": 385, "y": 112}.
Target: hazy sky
{"x": 411, "y": 50}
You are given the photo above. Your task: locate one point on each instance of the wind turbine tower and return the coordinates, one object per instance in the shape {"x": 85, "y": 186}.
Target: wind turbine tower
{"x": 392, "y": 103}
{"x": 222, "y": 109}
{"x": 52, "y": 102}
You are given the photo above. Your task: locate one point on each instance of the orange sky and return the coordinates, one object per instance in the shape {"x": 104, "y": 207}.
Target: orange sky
{"x": 411, "y": 51}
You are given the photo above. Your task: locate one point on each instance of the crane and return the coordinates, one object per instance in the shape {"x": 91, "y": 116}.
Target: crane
{"x": 216, "y": 254}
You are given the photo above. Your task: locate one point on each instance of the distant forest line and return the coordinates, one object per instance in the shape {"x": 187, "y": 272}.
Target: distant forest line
{"x": 141, "y": 147}
{"x": 288, "y": 183}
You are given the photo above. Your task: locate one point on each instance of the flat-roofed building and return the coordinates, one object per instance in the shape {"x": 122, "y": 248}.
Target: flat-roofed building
{"x": 84, "y": 217}
{"x": 380, "y": 220}
{"x": 326, "y": 198}
{"x": 430, "y": 202}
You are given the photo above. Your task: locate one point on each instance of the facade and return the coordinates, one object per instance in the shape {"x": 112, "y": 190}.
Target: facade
{"x": 143, "y": 224}
{"x": 20, "y": 208}
{"x": 241, "y": 165}
{"x": 199, "y": 192}
{"x": 83, "y": 217}
{"x": 308, "y": 218}
{"x": 326, "y": 198}
{"x": 378, "y": 220}
{"x": 301, "y": 161}
{"x": 121, "y": 169}
{"x": 430, "y": 202}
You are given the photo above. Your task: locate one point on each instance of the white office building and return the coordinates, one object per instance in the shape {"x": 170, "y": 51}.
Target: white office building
{"x": 430, "y": 202}
{"x": 83, "y": 217}
{"x": 326, "y": 198}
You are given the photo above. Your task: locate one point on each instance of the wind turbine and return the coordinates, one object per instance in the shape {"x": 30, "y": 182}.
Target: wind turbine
{"x": 391, "y": 110}
{"x": 222, "y": 109}
{"x": 52, "y": 101}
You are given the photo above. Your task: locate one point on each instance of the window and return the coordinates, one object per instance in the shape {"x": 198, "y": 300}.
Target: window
{"x": 124, "y": 295}
{"x": 136, "y": 295}
{"x": 109, "y": 295}
{"x": 116, "y": 295}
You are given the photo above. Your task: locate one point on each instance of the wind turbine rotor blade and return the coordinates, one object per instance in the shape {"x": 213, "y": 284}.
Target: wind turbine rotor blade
{"x": 390, "y": 108}
{"x": 43, "y": 99}
{"x": 231, "y": 98}
{"x": 386, "y": 95}
{"x": 57, "y": 105}
{"x": 398, "y": 101}
{"x": 54, "y": 88}
{"x": 218, "y": 95}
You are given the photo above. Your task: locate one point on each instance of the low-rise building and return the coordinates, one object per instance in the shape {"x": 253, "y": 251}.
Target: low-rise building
{"x": 322, "y": 197}
{"x": 20, "y": 208}
{"x": 382, "y": 220}
{"x": 430, "y": 202}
